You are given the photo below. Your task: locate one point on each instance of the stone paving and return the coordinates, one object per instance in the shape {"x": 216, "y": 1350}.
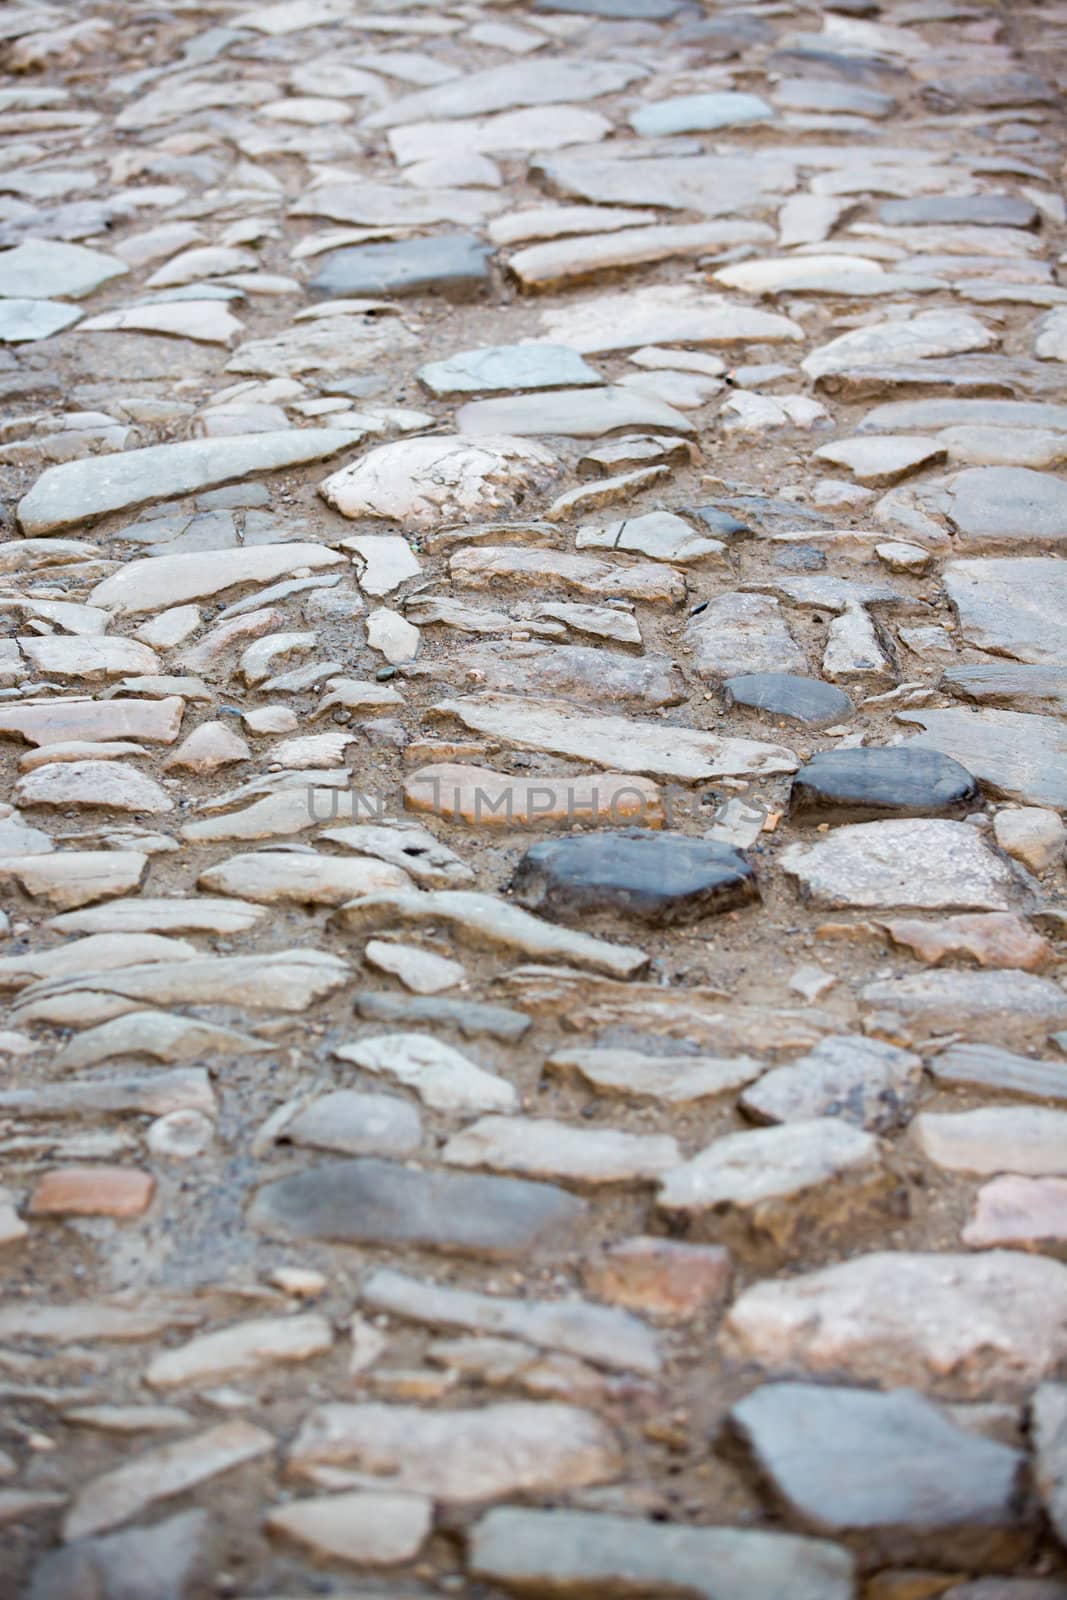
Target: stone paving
{"x": 532, "y": 699}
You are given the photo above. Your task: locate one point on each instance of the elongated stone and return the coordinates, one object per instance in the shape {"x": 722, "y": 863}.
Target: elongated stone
{"x": 76, "y": 491}
{"x": 159, "y": 581}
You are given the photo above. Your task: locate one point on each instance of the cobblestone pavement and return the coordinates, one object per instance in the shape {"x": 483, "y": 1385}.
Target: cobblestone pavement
{"x": 532, "y": 694}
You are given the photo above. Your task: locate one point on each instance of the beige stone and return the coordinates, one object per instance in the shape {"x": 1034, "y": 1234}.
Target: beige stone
{"x": 92, "y": 1192}
{"x": 481, "y": 797}
{"x": 366, "y": 1529}
{"x": 241, "y": 1351}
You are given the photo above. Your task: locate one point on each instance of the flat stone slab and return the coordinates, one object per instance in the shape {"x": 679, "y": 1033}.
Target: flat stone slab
{"x": 1014, "y": 606}
{"x": 666, "y": 314}
{"x": 576, "y": 1552}
{"x": 539, "y": 1147}
{"x": 455, "y": 265}
{"x": 659, "y": 534}
{"x": 948, "y": 210}
{"x": 76, "y": 491}
{"x": 868, "y": 1082}
{"x": 563, "y": 261}
{"x": 572, "y": 413}
{"x": 509, "y": 367}
{"x": 354, "y": 1124}
{"x": 992, "y": 506}
{"x": 736, "y": 634}
{"x": 27, "y": 321}
{"x": 879, "y": 462}
{"x": 927, "y": 864}
{"x": 46, "y": 269}
{"x": 1019, "y": 1213}
{"x": 668, "y": 1079}
{"x": 1018, "y": 686}
{"x": 987, "y": 1067}
{"x": 710, "y": 185}
{"x": 1028, "y": 1140}
{"x": 365, "y": 1201}
{"x": 1006, "y": 1008}
{"x": 364, "y": 1529}
{"x": 866, "y": 783}
{"x": 960, "y": 1324}
{"x": 933, "y": 333}
{"x": 699, "y": 113}
{"x": 785, "y": 694}
{"x": 666, "y": 880}
{"x": 1016, "y": 754}
{"x": 522, "y": 83}
{"x": 891, "y": 1467}
{"x": 442, "y": 1077}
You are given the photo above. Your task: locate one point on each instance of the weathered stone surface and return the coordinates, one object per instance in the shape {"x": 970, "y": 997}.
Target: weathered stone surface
{"x": 979, "y": 1007}
{"x": 354, "y": 1124}
{"x": 527, "y": 1551}
{"x": 985, "y": 1067}
{"x": 991, "y": 506}
{"x": 880, "y": 462}
{"x": 961, "y": 1323}
{"x": 1015, "y": 754}
{"x": 157, "y": 581}
{"x": 542, "y": 1148}
{"x": 566, "y": 261}
{"x": 934, "y": 333}
{"x": 92, "y": 1192}
{"x": 867, "y": 1082}
{"x": 1021, "y": 1139}
{"x": 368, "y": 1530}
{"x": 891, "y": 1467}
{"x": 483, "y": 798}
{"x": 659, "y": 534}
{"x": 157, "y": 1563}
{"x": 42, "y": 269}
{"x": 575, "y": 413}
{"x": 783, "y": 694}
{"x": 60, "y": 721}
{"x": 576, "y": 672}
{"x": 928, "y": 864}
{"x": 1019, "y": 1213}
{"x": 670, "y": 1079}
{"x": 993, "y": 939}
{"x": 269, "y": 877}
{"x": 665, "y": 314}
{"x": 735, "y": 634}
{"x": 490, "y": 565}
{"x": 76, "y": 491}
{"x": 779, "y": 1187}
{"x": 661, "y": 1276}
{"x": 1034, "y": 836}
{"x": 423, "y": 482}
{"x": 111, "y": 785}
{"x": 510, "y": 367}
{"x": 454, "y": 265}
{"x": 69, "y": 878}
{"x": 442, "y": 1077}
{"x": 421, "y": 971}
{"x": 663, "y": 879}
{"x": 526, "y": 83}
{"x": 1012, "y": 606}
{"x": 865, "y": 784}
{"x": 365, "y": 1201}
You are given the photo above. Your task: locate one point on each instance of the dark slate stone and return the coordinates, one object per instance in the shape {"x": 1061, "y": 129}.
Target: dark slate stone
{"x": 466, "y": 1016}
{"x": 800, "y": 558}
{"x": 660, "y": 878}
{"x": 723, "y": 524}
{"x": 365, "y": 1201}
{"x": 862, "y": 785}
{"x": 783, "y": 694}
{"x": 1009, "y": 683}
{"x": 893, "y": 1468}
{"x": 452, "y": 264}
{"x": 981, "y": 210}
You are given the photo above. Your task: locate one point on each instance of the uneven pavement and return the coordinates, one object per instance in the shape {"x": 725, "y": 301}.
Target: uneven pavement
{"x": 532, "y": 708}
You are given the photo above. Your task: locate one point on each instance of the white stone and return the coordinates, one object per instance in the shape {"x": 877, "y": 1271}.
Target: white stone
{"x": 440, "y": 1075}
{"x": 423, "y": 482}
{"x": 240, "y": 1351}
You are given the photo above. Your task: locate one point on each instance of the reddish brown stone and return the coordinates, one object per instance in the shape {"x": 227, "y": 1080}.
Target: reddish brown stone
{"x": 999, "y": 939}
{"x": 671, "y": 1280}
{"x": 92, "y": 1192}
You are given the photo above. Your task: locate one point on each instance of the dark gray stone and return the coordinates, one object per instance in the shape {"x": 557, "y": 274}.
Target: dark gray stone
{"x": 890, "y": 1467}
{"x": 862, "y": 785}
{"x": 783, "y": 694}
{"x": 452, "y": 264}
{"x": 723, "y": 524}
{"x": 1009, "y": 683}
{"x": 365, "y": 1201}
{"x": 800, "y": 558}
{"x": 156, "y": 1563}
{"x": 572, "y": 1553}
{"x": 660, "y": 878}
{"x": 985, "y": 1067}
{"x": 468, "y": 1017}
{"x": 971, "y": 210}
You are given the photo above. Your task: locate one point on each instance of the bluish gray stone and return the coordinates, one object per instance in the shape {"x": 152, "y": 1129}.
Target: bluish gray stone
{"x": 785, "y": 694}
{"x": 864, "y": 784}
{"x": 452, "y": 264}
{"x": 509, "y": 367}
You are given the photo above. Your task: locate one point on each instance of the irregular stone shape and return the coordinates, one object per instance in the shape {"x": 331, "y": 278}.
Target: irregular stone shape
{"x": 606, "y": 1337}
{"x": 155, "y": 1094}
{"x": 241, "y": 1351}
{"x": 671, "y": 1079}
{"x": 161, "y": 1562}
{"x": 354, "y": 1124}
{"x": 44, "y": 269}
{"x": 312, "y": 347}
{"x": 521, "y": 83}
{"x": 158, "y": 581}
{"x": 155, "y": 1034}
{"x": 574, "y": 413}
{"x": 69, "y": 878}
{"x": 423, "y": 482}
{"x": 892, "y": 1468}
{"x": 92, "y": 1192}
{"x": 487, "y": 566}
{"x": 984, "y": 1067}
{"x": 542, "y": 1148}
{"x": 98, "y": 953}
{"x": 933, "y": 333}
{"x": 736, "y": 633}
{"x": 575, "y": 1552}
{"x": 1019, "y": 1214}
{"x": 928, "y": 864}
{"x": 549, "y": 266}
{"x": 365, "y": 1201}
{"x": 395, "y": 207}
{"x": 664, "y": 314}
{"x": 270, "y": 877}
{"x": 461, "y": 1457}
{"x": 442, "y": 1077}
{"x": 659, "y": 534}
{"x": 1012, "y": 607}
{"x": 26, "y": 321}
{"x": 482, "y": 919}
{"x": 983, "y": 210}
{"x": 777, "y": 1187}
{"x": 421, "y": 971}
{"x": 510, "y": 367}
{"x": 1022, "y": 1139}
{"x": 1015, "y": 754}
{"x": 210, "y": 746}
{"x": 927, "y": 416}
{"x": 1049, "y": 1426}
{"x": 699, "y": 113}
{"x": 966, "y": 1324}
{"x": 661, "y": 1276}
{"x": 466, "y": 1016}
{"x": 509, "y": 133}
{"x": 368, "y": 1530}
{"x": 1031, "y": 835}
{"x": 881, "y": 462}
{"x": 71, "y": 721}
{"x": 126, "y": 1492}
{"x": 663, "y": 879}
{"x": 76, "y": 491}
{"x": 206, "y": 321}
{"x": 576, "y": 672}
{"x": 483, "y": 798}
{"x": 660, "y": 751}
{"x": 993, "y": 939}
{"x": 1051, "y": 341}
{"x": 455, "y": 265}
{"x": 111, "y": 785}
{"x": 710, "y": 185}
{"x": 286, "y": 980}
{"x": 1004, "y": 505}
{"x": 980, "y": 1007}
{"x": 145, "y": 914}
{"x": 867, "y": 1082}
{"x": 783, "y": 694}
{"x": 864, "y": 784}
